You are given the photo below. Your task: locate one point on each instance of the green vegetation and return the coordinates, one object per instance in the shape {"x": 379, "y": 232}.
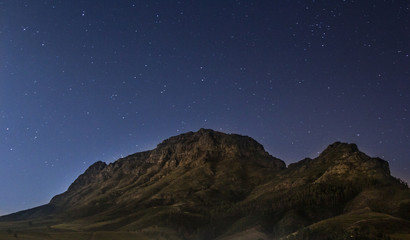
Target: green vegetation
{"x": 361, "y": 224}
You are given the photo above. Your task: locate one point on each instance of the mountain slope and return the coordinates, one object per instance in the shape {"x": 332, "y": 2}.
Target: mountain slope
{"x": 211, "y": 185}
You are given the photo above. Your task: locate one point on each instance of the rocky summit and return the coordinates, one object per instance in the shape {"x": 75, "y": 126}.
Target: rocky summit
{"x": 212, "y": 185}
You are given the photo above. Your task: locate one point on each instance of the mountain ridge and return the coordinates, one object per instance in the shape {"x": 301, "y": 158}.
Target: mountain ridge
{"x": 209, "y": 185}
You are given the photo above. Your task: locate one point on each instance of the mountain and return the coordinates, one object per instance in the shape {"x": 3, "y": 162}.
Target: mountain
{"x": 212, "y": 185}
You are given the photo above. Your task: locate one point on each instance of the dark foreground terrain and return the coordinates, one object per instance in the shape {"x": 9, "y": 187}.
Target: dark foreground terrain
{"x": 211, "y": 185}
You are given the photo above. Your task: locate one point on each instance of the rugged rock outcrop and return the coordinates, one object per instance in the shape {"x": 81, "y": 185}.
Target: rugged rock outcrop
{"x": 182, "y": 169}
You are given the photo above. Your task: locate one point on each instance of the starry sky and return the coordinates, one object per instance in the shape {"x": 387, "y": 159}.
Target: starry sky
{"x": 88, "y": 80}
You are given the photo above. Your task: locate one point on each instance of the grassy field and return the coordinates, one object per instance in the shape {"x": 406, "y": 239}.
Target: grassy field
{"x": 51, "y": 230}
{"x": 356, "y": 224}
{"x": 78, "y": 236}
{"x": 400, "y": 236}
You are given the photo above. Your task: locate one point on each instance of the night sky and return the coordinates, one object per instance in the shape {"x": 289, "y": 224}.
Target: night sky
{"x": 82, "y": 81}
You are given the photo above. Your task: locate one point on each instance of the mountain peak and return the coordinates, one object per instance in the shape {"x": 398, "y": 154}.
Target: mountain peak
{"x": 205, "y": 130}
{"x": 340, "y": 148}
{"x": 209, "y": 138}
{"x": 345, "y": 160}
{"x": 206, "y": 154}
{"x": 217, "y": 144}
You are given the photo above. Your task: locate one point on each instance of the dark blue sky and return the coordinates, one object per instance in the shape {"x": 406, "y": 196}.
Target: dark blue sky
{"x": 82, "y": 81}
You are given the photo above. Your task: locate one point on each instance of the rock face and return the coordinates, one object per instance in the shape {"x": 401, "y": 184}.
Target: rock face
{"x": 343, "y": 161}
{"x": 349, "y": 162}
{"x": 181, "y": 170}
{"x": 208, "y": 185}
